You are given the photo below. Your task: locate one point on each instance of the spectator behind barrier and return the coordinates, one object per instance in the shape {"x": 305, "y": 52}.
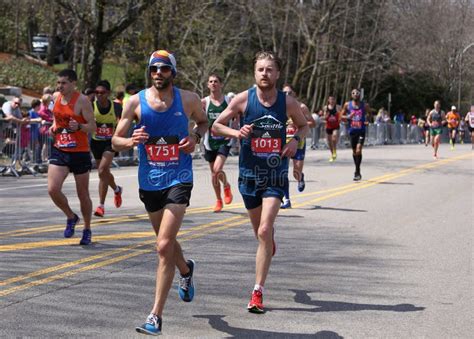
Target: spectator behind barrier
{"x": 47, "y": 120}
{"x": 35, "y": 121}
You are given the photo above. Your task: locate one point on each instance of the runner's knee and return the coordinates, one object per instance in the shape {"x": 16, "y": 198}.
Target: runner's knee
{"x": 103, "y": 172}
{"x": 264, "y": 232}
{"x": 165, "y": 247}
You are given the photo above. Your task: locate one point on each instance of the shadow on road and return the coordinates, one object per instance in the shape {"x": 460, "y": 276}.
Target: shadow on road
{"x": 302, "y": 297}
{"x": 218, "y": 323}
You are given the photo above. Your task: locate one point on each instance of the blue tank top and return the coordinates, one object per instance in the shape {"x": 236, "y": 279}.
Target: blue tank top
{"x": 260, "y": 153}
{"x": 357, "y": 123}
{"x": 161, "y": 164}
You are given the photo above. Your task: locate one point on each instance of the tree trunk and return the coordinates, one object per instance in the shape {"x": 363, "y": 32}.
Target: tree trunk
{"x": 94, "y": 70}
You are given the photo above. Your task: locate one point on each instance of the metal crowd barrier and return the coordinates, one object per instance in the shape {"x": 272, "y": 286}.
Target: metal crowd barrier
{"x": 23, "y": 149}
{"x": 379, "y": 134}
{"x": 24, "y": 152}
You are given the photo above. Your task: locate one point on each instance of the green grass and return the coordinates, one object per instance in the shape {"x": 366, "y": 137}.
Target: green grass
{"x": 22, "y": 73}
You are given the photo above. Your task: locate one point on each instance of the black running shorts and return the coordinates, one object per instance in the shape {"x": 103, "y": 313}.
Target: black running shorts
{"x": 77, "y": 162}
{"x": 156, "y": 200}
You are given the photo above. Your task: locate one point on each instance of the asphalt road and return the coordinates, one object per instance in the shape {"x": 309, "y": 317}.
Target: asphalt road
{"x": 388, "y": 257}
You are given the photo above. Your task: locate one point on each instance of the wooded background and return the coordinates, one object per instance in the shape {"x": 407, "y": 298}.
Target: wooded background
{"x": 416, "y": 50}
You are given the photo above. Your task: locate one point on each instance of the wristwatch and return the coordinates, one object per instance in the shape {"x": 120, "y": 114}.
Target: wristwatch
{"x": 297, "y": 138}
{"x": 198, "y": 137}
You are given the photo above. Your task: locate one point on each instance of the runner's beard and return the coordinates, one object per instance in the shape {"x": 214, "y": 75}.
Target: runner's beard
{"x": 165, "y": 83}
{"x": 268, "y": 84}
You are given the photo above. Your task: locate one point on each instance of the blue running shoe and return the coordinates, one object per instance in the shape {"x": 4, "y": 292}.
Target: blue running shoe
{"x": 70, "y": 226}
{"x": 186, "y": 285}
{"x": 285, "y": 204}
{"x": 86, "y": 237}
{"x": 301, "y": 183}
{"x": 152, "y": 326}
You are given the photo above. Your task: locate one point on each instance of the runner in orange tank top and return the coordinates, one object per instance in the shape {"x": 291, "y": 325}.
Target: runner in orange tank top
{"x": 65, "y": 138}
{"x": 73, "y": 119}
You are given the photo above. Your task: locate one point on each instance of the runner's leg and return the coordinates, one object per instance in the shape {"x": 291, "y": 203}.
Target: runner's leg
{"x": 56, "y": 177}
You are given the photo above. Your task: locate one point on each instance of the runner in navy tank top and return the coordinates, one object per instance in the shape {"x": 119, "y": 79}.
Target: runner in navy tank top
{"x": 264, "y": 153}
{"x": 354, "y": 112}
{"x": 165, "y": 170}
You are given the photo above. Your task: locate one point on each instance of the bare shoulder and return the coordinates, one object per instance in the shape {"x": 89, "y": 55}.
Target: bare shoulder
{"x": 189, "y": 96}
{"x": 83, "y": 99}
{"x": 241, "y": 98}
{"x": 304, "y": 108}
{"x": 133, "y": 101}
{"x": 238, "y": 104}
{"x": 292, "y": 103}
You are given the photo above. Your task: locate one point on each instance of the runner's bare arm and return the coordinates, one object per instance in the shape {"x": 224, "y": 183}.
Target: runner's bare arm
{"x": 193, "y": 108}
{"x": 339, "y": 112}
{"x": 428, "y": 119}
{"x": 343, "y": 112}
{"x": 367, "y": 110}
{"x": 120, "y": 141}
{"x": 85, "y": 109}
{"x": 293, "y": 110}
{"x": 326, "y": 113}
{"x": 198, "y": 114}
{"x": 307, "y": 115}
{"x": 234, "y": 110}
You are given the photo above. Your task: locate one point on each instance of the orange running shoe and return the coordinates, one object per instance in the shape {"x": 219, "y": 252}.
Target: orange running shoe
{"x": 227, "y": 195}
{"x": 118, "y": 197}
{"x": 218, "y": 206}
{"x": 99, "y": 211}
{"x": 256, "y": 302}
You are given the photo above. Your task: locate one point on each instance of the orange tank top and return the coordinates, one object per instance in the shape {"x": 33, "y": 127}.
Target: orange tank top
{"x": 65, "y": 139}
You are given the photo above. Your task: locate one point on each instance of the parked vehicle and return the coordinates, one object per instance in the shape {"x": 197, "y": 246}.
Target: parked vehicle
{"x": 40, "y": 44}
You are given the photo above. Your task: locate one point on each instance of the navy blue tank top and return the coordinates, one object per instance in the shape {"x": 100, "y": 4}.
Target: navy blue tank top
{"x": 357, "y": 123}
{"x": 260, "y": 154}
{"x": 161, "y": 163}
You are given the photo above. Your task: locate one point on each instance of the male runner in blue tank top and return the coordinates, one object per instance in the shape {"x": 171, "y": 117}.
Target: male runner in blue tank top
{"x": 165, "y": 170}
{"x": 354, "y": 112}
{"x": 264, "y": 153}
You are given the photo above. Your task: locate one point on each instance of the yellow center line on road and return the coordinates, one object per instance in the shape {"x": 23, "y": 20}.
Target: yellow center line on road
{"x": 199, "y": 210}
{"x": 205, "y": 229}
{"x": 113, "y": 252}
{"x": 391, "y": 176}
{"x": 110, "y": 261}
{"x": 103, "y": 222}
{"x": 97, "y": 238}
{"x": 122, "y": 219}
